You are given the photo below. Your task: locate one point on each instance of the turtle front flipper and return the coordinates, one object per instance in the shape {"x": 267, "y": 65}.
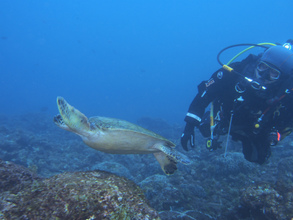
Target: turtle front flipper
{"x": 76, "y": 121}
{"x": 174, "y": 154}
{"x": 168, "y": 165}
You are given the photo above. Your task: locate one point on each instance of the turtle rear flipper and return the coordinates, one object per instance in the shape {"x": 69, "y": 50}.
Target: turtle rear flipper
{"x": 168, "y": 165}
{"x": 73, "y": 118}
{"x": 174, "y": 154}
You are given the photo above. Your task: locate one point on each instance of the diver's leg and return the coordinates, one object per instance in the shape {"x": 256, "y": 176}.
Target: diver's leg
{"x": 249, "y": 150}
{"x": 263, "y": 148}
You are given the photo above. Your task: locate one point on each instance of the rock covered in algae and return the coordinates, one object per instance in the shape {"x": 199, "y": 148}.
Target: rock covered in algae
{"x": 80, "y": 195}
{"x": 14, "y": 178}
{"x": 285, "y": 171}
{"x": 267, "y": 201}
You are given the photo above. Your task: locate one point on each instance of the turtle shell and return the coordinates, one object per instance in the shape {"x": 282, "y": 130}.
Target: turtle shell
{"x": 104, "y": 123}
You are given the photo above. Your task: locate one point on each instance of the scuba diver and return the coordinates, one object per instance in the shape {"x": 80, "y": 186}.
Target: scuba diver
{"x": 251, "y": 101}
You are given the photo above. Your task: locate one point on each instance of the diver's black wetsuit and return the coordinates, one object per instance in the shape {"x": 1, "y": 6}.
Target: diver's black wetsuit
{"x": 234, "y": 93}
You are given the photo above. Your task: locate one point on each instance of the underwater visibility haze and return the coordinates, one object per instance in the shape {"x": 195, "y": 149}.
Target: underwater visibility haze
{"x": 123, "y": 59}
{"x": 139, "y": 61}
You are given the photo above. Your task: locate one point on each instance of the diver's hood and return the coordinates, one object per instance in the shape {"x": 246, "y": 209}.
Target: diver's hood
{"x": 280, "y": 58}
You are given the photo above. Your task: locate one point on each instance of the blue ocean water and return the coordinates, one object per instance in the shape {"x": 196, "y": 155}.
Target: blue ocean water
{"x": 123, "y": 59}
{"x": 129, "y": 59}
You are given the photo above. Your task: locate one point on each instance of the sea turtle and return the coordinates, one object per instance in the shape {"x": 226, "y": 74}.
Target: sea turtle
{"x": 118, "y": 136}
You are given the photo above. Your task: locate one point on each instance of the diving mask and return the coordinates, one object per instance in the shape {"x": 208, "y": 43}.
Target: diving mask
{"x": 267, "y": 72}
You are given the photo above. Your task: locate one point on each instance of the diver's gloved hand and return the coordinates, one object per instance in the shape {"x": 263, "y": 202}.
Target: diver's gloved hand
{"x": 187, "y": 135}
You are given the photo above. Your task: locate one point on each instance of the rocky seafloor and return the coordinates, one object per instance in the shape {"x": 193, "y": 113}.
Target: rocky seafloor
{"x": 49, "y": 173}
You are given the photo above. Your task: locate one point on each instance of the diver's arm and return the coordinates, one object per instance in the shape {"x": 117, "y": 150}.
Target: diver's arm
{"x": 207, "y": 92}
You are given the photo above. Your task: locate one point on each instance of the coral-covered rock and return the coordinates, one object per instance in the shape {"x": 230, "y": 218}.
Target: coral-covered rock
{"x": 113, "y": 167}
{"x": 81, "y": 195}
{"x": 163, "y": 195}
{"x": 185, "y": 215}
{"x": 14, "y": 178}
{"x": 264, "y": 201}
{"x": 233, "y": 164}
{"x": 285, "y": 171}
